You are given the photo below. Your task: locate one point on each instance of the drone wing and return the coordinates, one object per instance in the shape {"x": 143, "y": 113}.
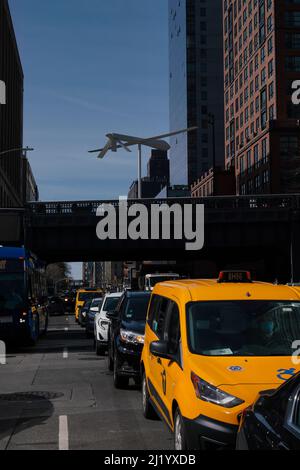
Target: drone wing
{"x": 103, "y": 152}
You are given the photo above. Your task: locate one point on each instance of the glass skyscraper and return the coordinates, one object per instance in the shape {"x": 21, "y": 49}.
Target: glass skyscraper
{"x": 196, "y": 86}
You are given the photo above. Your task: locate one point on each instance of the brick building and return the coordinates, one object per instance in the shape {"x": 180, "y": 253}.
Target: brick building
{"x": 261, "y": 60}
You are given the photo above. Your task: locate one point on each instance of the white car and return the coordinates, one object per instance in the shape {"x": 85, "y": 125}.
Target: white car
{"x": 110, "y": 303}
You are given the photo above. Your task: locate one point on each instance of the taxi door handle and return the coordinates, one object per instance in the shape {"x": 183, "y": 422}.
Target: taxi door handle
{"x": 159, "y": 361}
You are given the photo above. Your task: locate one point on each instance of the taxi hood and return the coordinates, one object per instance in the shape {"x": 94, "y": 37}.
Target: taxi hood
{"x": 232, "y": 370}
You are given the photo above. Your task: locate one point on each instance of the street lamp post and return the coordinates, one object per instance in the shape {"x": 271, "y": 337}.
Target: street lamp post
{"x": 24, "y": 150}
{"x": 140, "y": 171}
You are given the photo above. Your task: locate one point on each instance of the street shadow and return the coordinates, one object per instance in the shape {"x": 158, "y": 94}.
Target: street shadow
{"x": 24, "y": 410}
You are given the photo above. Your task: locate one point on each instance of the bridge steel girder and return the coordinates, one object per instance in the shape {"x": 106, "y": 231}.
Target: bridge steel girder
{"x": 236, "y": 228}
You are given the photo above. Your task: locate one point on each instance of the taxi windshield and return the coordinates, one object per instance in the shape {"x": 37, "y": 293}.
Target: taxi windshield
{"x": 84, "y": 296}
{"x": 243, "y": 328}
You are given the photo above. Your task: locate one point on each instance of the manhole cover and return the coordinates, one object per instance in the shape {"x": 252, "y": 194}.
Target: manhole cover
{"x": 30, "y": 396}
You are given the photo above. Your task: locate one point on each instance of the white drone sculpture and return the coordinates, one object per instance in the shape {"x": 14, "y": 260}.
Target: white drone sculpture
{"x": 117, "y": 141}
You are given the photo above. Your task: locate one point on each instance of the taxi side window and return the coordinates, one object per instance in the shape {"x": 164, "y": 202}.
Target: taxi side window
{"x": 160, "y": 310}
{"x": 152, "y": 309}
{"x": 173, "y": 331}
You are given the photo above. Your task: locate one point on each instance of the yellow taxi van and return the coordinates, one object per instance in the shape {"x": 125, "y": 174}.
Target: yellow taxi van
{"x": 211, "y": 346}
{"x": 82, "y": 296}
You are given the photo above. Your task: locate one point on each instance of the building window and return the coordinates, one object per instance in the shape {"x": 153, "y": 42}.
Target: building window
{"x": 292, "y": 18}
{"x": 270, "y": 68}
{"x": 264, "y": 149}
{"x": 256, "y": 154}
{"x": 249, "y": 163}
{"x": 263, "y": 77}
{"x": 270, "y": 45}
{"x": 292, "y": 63}
{"x": 269, "y": 23}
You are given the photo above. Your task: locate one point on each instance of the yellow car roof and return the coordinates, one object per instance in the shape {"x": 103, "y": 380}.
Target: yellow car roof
{"x": 210, "y": 289}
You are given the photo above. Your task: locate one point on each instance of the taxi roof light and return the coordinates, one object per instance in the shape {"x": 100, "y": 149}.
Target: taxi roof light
{"x": 235, "y": 277}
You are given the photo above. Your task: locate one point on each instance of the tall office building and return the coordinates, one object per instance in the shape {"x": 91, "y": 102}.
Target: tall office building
{"x": 262, "y": 59}
{"x": 196, "y": 86}
{"x": 11, "y": 113}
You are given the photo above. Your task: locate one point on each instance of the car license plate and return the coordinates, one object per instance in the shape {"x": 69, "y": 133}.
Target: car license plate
{"x": 5, "y": 320}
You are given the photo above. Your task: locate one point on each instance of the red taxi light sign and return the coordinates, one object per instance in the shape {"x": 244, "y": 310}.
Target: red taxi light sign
{"x": 235, "y": 276}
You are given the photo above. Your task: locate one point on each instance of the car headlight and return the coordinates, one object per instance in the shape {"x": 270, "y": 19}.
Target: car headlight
{"x": 131, "y": 337}
{"x": 103, "y": 324}
{"x": 212, "y": 394}
{"x": 83, "y": 314}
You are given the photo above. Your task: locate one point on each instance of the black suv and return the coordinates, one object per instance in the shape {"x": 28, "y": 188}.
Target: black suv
{"x": 273, "y": 422}
{"x": 126, "y": 337}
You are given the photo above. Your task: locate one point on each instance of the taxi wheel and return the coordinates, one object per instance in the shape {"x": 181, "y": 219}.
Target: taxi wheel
{"x": 148, "y": 410}
{"x": 179, "y": 432}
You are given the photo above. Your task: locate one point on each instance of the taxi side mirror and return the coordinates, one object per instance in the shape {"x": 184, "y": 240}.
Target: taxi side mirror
{"x": 161, "y": 349}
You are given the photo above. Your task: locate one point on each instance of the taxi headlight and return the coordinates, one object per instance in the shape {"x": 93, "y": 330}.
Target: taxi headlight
{"x": 212, "y": 394}
{"x": 131, "y": 337}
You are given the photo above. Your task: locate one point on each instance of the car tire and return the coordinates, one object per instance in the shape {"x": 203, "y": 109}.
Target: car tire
{"x": 120, "y": 382}
{"x": 148, "y": 410}
{"x": 180, "y": 441}
{"x": 100, "y": 350}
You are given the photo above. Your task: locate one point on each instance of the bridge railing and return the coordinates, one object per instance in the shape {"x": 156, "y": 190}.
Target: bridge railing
{"x": 254, "y": 202}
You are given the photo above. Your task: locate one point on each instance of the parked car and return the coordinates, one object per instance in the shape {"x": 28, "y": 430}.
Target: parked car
{"x": 83, "y": 312}
{"x": 126, "y": 337}
{"x": 273, "y": 422}
{"x": 55, "y": 306}
{"x": 91, "y": 314}
{"x": 101, "y": 323}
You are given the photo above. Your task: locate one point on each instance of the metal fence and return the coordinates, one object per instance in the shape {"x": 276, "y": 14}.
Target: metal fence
{"x": 254, "y": 202}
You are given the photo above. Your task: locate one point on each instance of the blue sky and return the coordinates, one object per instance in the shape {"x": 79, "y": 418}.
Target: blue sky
{"x": 90, "y": 68}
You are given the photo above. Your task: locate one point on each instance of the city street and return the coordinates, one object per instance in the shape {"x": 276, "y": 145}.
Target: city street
{"x": 60, "y": 395}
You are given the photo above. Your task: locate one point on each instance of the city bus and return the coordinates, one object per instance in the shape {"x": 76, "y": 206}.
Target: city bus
{"x": 23, "y": 296}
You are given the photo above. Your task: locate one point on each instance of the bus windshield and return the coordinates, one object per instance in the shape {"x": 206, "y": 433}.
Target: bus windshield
{"x": 241, "y": 328}
{"x": 12, "y": 291}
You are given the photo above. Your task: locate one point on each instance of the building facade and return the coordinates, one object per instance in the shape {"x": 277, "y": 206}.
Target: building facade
{"x": 217, "y": 182}
{"x": 196, "y": 87}
{"x": 11, "y": 113}
{"x": 30, "y": 188}
{"x": 261, "y": 60}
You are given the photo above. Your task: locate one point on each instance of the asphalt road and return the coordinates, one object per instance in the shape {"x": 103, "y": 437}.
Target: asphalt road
{"x": 60, "y": 395}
